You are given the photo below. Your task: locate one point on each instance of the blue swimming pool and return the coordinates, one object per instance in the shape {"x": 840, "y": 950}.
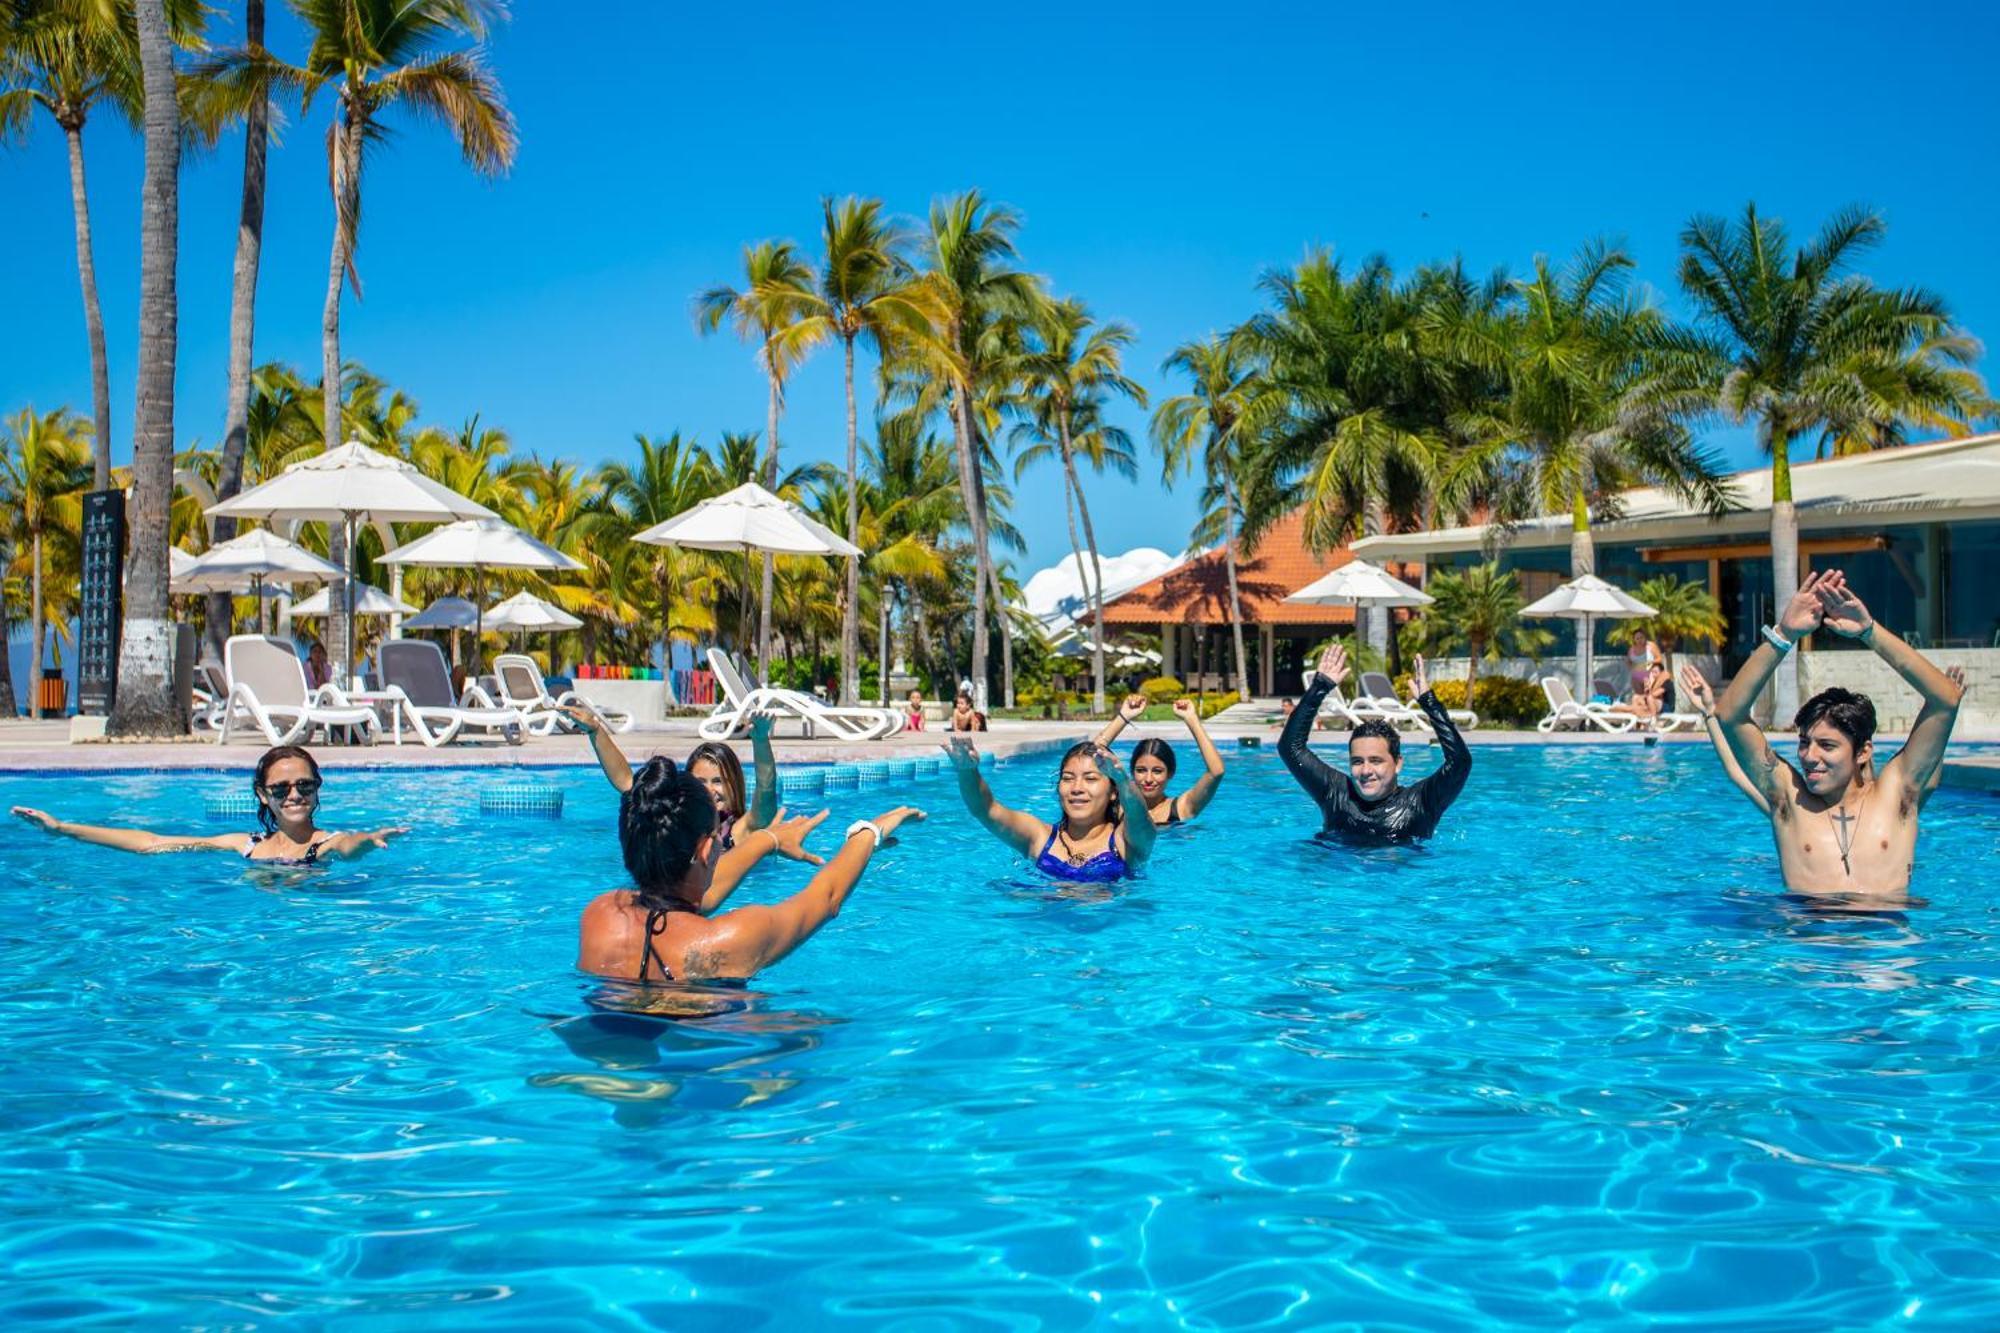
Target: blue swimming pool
{"x": 1576, "y": 1064}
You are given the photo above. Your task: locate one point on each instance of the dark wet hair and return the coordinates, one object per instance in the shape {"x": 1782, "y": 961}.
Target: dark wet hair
{"x": 1155, "y": 748}
{"x": 662, "y": 817}
{"x": 725, "y": 759}
{"x": 1850, "y": 714}
{"x": 1381, "y": 731}
{"x": 1091, "y": 750}
{"x": 275, "y": 755}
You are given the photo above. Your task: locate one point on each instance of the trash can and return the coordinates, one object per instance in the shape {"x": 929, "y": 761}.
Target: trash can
{"x": 52, "y": 693}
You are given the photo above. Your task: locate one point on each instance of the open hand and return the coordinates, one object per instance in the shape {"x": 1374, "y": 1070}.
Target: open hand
{"x": 893, "y": 820}
{"x": 1956, "y": 675}
{"x": 1132, "y": 707}
{"x": 761, "y": 723}
{"x": 379, "y": 839}
{"x": 41, "y": 819}
{"x": 789, "y": 836}
{"x": 1420, "y": 676}
{"x": 959, "y": 749}
{"x": 1697, "y": 688}
{"x": 1185, "y": 710}
{"x": 1802, "y": 615}
{"x": 1333, "y": 662}
{"x": 583, "y": 715}
{"x": 1840, "y": 608}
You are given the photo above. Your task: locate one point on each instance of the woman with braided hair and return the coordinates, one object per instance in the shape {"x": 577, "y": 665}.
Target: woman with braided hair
{"x": 655, "y": 932}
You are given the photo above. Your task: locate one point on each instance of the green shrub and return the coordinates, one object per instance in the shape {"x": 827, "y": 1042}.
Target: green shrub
{"x": 1500, "y": 701}
{"x": 1161, "y": 689}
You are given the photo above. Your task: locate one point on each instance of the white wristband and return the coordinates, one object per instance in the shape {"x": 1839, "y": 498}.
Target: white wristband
{"x": 1774, "y": 637}
{"x": 868, "y": 824}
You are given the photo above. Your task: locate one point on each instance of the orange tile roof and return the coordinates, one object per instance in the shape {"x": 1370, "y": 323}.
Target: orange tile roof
{"x": 1196, "y": 592}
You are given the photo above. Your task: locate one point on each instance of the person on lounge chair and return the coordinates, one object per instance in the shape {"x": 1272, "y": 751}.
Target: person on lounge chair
{"x": 1368, "y": 804}
{"x": 1839, "y": 827}
{"x": 1649, "y": 696}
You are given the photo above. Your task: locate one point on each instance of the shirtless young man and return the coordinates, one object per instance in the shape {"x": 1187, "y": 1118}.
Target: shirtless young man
{"x": 1838, "y": 829}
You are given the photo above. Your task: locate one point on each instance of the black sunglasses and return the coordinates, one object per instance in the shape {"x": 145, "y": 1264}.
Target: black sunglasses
{"x": 282, "y": 791}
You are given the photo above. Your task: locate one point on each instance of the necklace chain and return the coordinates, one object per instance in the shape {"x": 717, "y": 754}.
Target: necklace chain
{"x": 1842, "y": 834}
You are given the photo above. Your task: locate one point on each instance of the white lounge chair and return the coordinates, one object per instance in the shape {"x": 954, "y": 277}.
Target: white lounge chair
{"x": 267, "y": 692}
{"x": 1463, "y": 717}
{"x": 211, "y": 687}
{"x": 415, "y": 670}
{"x": 1379, "y": 693}
{"x": 1666, "y": 722}
{"x": 521, "y": 688}
{"x": 741, "y": 702}
{"x": 1566, "y": 713}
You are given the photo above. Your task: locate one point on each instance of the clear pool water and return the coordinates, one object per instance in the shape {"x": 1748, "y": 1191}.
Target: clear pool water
{"x": 1577, "y": 1064}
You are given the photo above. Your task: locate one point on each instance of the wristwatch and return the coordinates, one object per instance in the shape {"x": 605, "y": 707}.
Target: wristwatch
{"x": 1776, "y": 638}
{"x": 868, "y": 824}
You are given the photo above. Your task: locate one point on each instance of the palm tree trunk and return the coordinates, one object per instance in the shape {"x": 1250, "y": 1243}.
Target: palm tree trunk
{"x": 1094, "y": 589}
{"x": 881, "y": 641}
{"x": 93, "y": 317}
{"x": 1235, "y": 597}
{"x": 1475, "y": 645}
{"x": 343, "y": 150}
{"x": 10, "y": 706}
{"x": 975, "y": 516}
{"x": 1076, "y": 549}
{"x": 1784, "y": 570}
{"x": 850, "y": 614}
{"x": 37, "y": 627}
{"x": 771, "y": 484}
{"x": 242, "y": 320}
{"x": 1374, "y": 620}
{"x": 145, "y": 703}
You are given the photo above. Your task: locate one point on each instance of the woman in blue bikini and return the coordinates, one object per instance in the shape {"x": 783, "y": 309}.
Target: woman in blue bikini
{"x": 1093, "y": 842}
{"x": 286, "y": 784}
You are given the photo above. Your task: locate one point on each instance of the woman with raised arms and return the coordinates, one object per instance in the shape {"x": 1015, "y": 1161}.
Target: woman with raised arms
{"x": 1092, "y": 842}
{"x": 1153, "y": 762}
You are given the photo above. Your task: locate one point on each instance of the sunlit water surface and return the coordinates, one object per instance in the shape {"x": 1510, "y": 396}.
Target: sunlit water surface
{"x": 1577, "y": 1063}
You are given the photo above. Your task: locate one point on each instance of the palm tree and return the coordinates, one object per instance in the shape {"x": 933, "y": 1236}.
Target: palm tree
{"x": 69, "y": 57}
{"x": 865, "y": 290}
{"x": 44, "y": 462}
{"x": 1793, "y": 341}
{"x": 672, "y": 476}
{"x": 768, "y": 310}
{"x": 1071, "y": 372}
{"x": 144, "y": 703}
{"x": 1681, "y": 611}
{"x": 1367, "y": 400}
{"x": 972, "y": 294}
{"x": 1478, "y": 608}
{"x": 1210, "y": 430}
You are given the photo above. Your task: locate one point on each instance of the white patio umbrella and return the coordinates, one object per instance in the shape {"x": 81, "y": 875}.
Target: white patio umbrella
{"x": 527, "y": 613}
{"x": 747, "y": 519}
{"x": 367, "y": 599}
{"x": 1357, "y": 584}
{"x": 452, "y": 613}
{"x": 349, "y": 486}
{"x": 1587, "y": 599}
{"x": 479, "y": 544}
{"x": 252, "y": 559}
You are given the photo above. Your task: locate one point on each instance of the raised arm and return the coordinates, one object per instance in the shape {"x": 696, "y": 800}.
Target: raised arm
{"x": 786, "y": 837}
{"x": 1770, "y": 775}
{"x": 1019, "y": 830}
{"x": 764, "y": 801}
{"x": 1202, "y": 791}
{"x": 610, "y": 758}
{"x": 1931, "y": 732}
{"x": 1442, "y": 786}
{"x": 750, "y": 939}
{"x": 1130, "y": 709}
{"x": 128, "y": 839}
{"x": 1138, "y": 827}
{"x": 1697, "y": 688}
{"x": 1319, "y": 778}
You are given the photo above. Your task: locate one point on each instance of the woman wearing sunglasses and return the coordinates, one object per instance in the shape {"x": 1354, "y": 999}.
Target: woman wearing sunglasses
{"x": 287, "y": 786}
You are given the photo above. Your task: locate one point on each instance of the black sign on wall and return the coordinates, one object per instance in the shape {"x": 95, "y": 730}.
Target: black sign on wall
{"x": 103, "y": 601}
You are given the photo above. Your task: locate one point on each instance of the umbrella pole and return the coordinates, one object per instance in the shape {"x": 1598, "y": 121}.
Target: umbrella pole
{"x": 1587, "y": 687}
{"x": 347, "y": 608}
{"x": 478, "y": 615}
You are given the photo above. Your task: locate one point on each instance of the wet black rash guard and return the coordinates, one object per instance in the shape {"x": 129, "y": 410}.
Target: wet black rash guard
{"x": 1406, "y": 812}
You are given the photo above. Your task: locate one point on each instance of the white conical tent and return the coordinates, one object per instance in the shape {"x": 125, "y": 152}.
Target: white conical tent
{"x": 1587, "y": 600}
{"x": 479, "y": 544}
{"x": 748, "y": 518}
{"x": 348, "y": 486}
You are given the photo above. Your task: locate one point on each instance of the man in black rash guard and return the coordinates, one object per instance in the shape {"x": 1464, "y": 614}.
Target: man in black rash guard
{"x": 1367, "y": 804}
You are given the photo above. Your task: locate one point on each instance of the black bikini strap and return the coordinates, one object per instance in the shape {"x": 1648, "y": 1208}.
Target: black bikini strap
{"x": 656, "y": 921}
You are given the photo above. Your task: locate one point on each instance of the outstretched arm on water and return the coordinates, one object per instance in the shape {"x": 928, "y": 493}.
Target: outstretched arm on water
{"x": 1773, "y": 778}
{"x": 786, "y": 837}
{"x": 1018, "y": 829}
{"x": 1923, "y": 752}
{"x": 617, "y": 768}
{"x": 131, "y": 839}
{"x": 750, "y": 939}
{"x": 1326, "y": 785}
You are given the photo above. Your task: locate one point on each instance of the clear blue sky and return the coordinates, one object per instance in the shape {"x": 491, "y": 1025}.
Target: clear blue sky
{"x": 1163, "y": 157}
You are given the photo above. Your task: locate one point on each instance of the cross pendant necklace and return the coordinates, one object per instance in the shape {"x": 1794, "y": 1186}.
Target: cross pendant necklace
{"x": 1843, "y": 834}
